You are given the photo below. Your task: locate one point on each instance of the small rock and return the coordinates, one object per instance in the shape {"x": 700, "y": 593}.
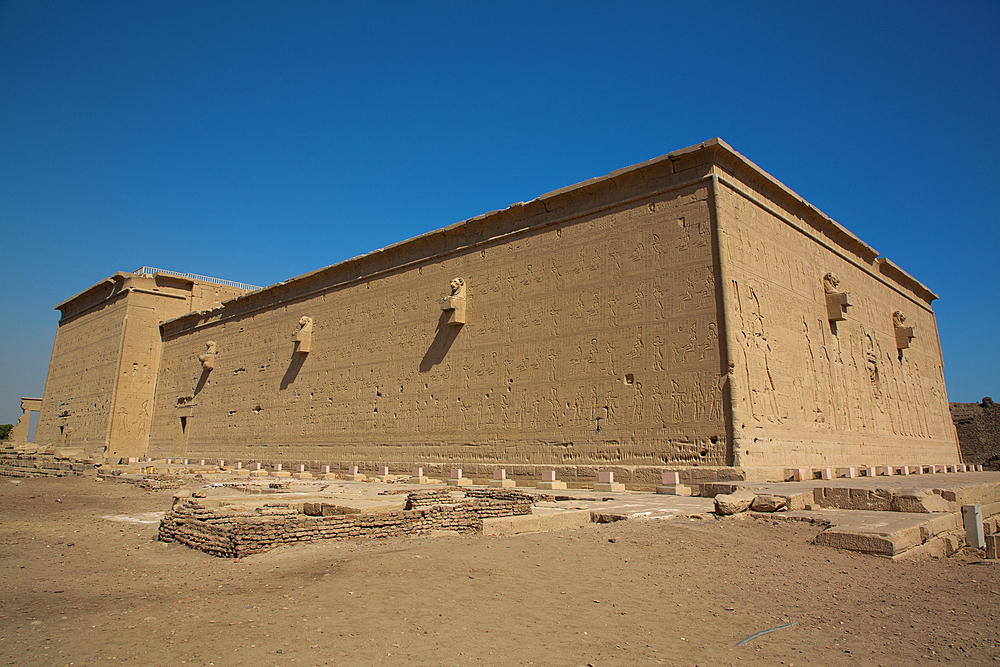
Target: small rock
{"x": 765, "y": 502}
{"x": 734, "y": 503}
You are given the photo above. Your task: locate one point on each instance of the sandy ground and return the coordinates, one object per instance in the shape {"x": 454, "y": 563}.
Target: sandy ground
{"x": 83, "y": 582}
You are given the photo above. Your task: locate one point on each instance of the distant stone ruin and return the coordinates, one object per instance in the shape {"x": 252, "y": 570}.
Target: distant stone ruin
{"x": 978, "y": 426}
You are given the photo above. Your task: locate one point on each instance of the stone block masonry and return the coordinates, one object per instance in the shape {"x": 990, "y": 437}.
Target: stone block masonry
{"x": 237, "y": 534}
{"x": 687, "y": 311}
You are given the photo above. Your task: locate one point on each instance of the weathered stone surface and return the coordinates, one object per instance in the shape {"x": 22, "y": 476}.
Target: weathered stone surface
{"x": 993, "y": 546}
{"x": 713, "y": 489}
{"x": 596, "y": 318}
{"x": 919, "y": 501}
{"x": 734, "y": 503}
{"x": 796, "y": 501}
{"x": 766, "y": 502}
{"x": 887, "y": 544}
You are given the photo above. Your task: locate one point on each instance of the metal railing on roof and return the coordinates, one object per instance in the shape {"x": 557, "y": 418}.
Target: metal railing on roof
{"x": 148, "y": 271}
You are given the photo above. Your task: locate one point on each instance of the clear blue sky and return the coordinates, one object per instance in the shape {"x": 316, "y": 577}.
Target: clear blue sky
{"x": 260, "y": 140}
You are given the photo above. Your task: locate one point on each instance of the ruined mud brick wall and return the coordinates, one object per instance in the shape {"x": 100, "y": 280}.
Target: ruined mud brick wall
{"x": 805, "y": 388}
{"x": 13, "y": 464}
{"x": 102, "y": 375}
{"x": 234, "y": 535}
{"x": 978, "y": 426}
{"x": 591, "y": 339}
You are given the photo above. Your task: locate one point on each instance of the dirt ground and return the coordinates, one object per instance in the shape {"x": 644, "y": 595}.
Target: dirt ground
{"x": 83, "y": 582}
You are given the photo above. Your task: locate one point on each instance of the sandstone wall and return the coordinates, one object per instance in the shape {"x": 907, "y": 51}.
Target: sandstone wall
{"x": 102, "y": 375}
{"x": 79, "y": 390}
{"x": 806, "y": 389}
{"x": 591, "y": 338}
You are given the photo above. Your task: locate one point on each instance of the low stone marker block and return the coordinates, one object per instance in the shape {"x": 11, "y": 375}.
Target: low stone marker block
{"x": 884, "y": 470}
{"x": 457, "y": 479}
{"x": 979, "y": 468}
{"x": 963, "y": 468}
{"x": 383, "y": 471}
{"x": 418, "y": 477}
{"x": 302, "y": 473}
{"x": 672, "y": 486}
{"x": 868, "y": 472}
{"x": 800, "y": 474}
{"x": 239, "y": 465}
{"x": 823, "y": 473}
{"x": 606, "y": 482}
{"x": 184, "y": 461}
{"x": 849, "y": 473}
{"x": 549, "y": 481}
{"x": 500, "y": 480}
{"x": 259, "y": 473}
{"x": 201, "y": 462}
{"x": 903, "y": 470}
{"x": 972, "y": 519}
{"x": 353, "y": 475}
{"x": 917, "y": 470}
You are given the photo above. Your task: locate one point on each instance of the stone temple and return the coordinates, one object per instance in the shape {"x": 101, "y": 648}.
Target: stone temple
{"x": 687, "y": 311}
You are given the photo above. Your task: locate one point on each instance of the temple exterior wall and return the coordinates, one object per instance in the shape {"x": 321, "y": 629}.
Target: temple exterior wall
{"x": 808, "y": 389}
{"x": 102, "y": 376}
{"x": 591, "y": 338}
{"x": 673, "y": 313}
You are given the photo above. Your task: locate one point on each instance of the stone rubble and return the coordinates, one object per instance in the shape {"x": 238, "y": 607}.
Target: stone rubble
{"x": 230, "y": 534}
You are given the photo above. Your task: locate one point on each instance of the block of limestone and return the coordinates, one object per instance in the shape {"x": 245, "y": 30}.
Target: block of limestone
{"x": 549, "y": 481}
{"x": 457, "y": 479}
{"x": 672, "y": 485}
{"x": 500, "y": 480}
{"x": 606, "y": 482}
{"x": 418, "y": 477}
{"x": 353, "y": 475}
